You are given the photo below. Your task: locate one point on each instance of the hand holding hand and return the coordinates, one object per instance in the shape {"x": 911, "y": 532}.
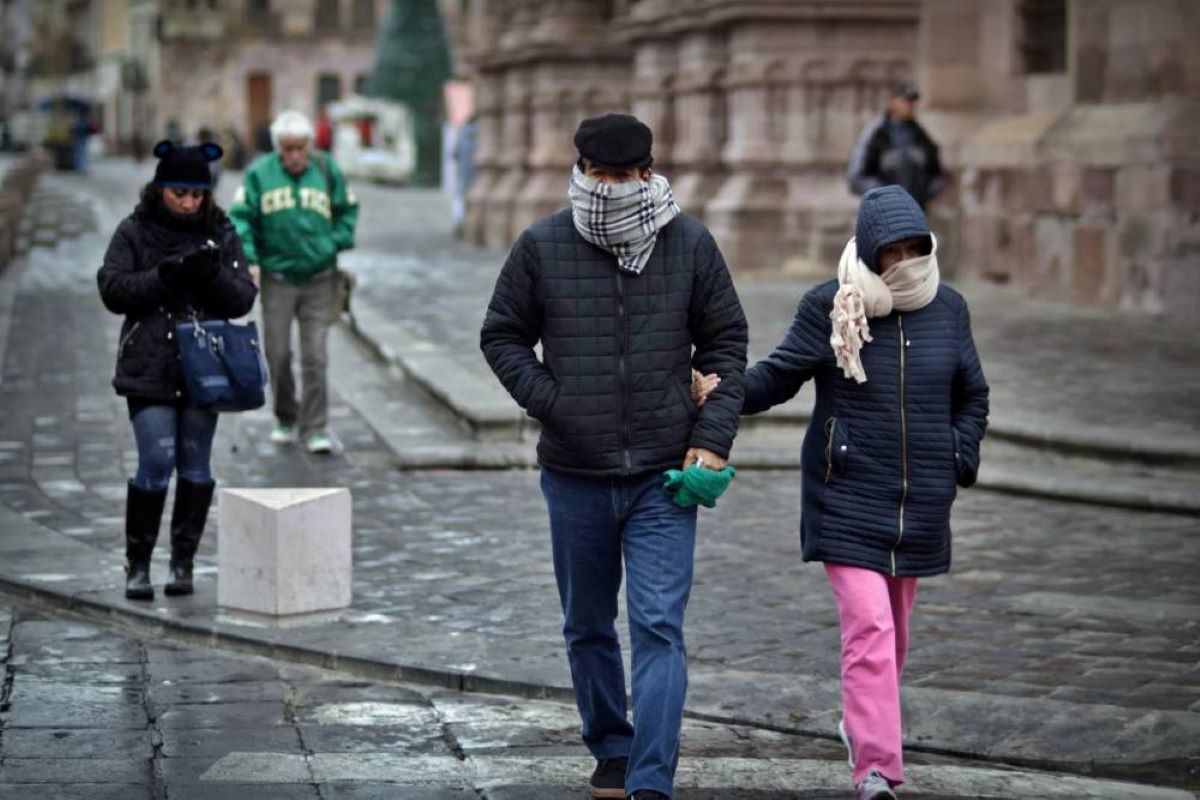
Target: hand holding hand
{"x": 703, "y": 458}
{"x": 703, "y": 386}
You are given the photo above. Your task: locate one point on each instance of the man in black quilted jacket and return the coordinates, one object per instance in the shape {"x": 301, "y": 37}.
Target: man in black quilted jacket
{"x": 626, "y": 295}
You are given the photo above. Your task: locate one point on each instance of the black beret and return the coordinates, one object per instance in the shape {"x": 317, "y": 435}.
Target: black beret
{"x": 614, "y": 140}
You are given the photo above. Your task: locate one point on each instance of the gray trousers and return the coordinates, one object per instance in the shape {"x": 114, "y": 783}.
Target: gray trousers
{"x": 313, "y": 305}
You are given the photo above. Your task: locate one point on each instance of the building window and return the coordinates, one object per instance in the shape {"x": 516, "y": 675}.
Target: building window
{"x": 360, "y": 84}
{"x": 327, "y": 16}
{"x": 329, "y": 90}
{"x": 363, "y": 14}
{"x": 1043, "y": 36}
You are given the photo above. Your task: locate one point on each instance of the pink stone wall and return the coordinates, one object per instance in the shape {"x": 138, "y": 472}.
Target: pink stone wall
{"x": 1080, "y": 184}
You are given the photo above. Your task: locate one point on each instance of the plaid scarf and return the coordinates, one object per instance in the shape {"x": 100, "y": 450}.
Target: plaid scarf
{"x": 622, "y": 218}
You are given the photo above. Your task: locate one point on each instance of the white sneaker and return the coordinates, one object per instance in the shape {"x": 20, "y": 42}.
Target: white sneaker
{"x": 874, "y": 787}
{"x": 283, "y": 434}
{"x": 319, "y": 444}
{"x": 846, "y": 741}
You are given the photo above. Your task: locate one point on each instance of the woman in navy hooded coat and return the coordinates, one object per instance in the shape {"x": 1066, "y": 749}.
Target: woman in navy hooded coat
{"x": 900, "y": 412}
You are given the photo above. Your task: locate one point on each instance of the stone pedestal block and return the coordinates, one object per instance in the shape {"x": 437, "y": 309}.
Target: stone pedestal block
{"x": 284, "y": 551}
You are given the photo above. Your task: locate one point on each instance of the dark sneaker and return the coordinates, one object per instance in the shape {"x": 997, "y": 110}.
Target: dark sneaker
{"x": 609, "y": 778}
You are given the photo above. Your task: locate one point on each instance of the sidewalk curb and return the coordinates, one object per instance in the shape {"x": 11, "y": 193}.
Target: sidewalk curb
{"x": 496, "y": 415}
{"x": 215, "y": 636}
{"x": 493, "y": 418}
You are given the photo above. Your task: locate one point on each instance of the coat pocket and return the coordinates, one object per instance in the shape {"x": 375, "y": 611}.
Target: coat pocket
{"x": 966, "y": 468}
{"x": 837, "y": 448}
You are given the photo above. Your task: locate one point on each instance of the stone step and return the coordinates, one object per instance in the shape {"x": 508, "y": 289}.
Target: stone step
{"x": 468, "y": 388}
{"x": 1022, "y": 456}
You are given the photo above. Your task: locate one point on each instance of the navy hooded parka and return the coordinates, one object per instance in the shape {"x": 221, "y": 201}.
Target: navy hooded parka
{"x": 881, "y": 460}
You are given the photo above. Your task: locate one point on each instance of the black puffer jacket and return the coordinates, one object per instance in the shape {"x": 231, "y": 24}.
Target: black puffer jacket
{"x": 147, "y": 357}
{"x": 611, "y": 389}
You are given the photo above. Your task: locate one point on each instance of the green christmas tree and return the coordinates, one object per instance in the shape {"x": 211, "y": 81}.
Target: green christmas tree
{"x": 412, "y": 63}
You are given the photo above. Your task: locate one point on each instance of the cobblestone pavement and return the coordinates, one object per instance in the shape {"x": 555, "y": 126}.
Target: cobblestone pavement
{"x": 101, "y": 712}
{"x": 1067, "y": 634}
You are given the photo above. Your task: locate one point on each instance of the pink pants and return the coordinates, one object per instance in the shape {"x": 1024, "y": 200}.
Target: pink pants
{"x": 873, "y": 610}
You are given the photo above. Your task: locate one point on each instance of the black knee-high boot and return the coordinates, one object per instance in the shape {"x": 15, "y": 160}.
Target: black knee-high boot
{"x": 143, "y": 513}
{"x": 187, "y": 526}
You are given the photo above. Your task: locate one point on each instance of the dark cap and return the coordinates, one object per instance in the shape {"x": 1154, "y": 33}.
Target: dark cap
{"x": 614, "y": 140}
{"x": 907, "y": 90}
{"x": 185, "y": 167}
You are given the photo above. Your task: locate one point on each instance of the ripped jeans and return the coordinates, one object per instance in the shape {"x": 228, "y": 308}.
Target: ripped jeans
{"x": 171, "y": 438}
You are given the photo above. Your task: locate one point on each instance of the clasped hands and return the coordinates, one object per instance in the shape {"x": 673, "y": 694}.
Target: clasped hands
{"x": 194, "y": 270}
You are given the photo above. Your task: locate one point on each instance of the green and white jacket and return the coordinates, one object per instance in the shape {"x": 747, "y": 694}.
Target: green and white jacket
{"x": 294, "y": 225}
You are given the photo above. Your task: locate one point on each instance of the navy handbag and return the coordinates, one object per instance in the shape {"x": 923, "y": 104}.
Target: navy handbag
{"x": 223, "y": 364}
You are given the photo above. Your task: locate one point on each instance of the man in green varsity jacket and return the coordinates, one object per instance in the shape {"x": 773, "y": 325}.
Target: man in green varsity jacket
{"x": 294, "y": 214}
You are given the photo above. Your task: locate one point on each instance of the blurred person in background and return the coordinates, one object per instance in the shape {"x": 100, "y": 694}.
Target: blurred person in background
{"x": 895, "y": 150}
{"x": 464, "y": 170}
{"x": 294, "y": 214}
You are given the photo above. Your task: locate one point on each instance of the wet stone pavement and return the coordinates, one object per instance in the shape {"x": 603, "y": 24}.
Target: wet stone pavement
{"x": 89, "y": 712}
{"x": 97, "y": 712}
{"x": 1059, "y": 622}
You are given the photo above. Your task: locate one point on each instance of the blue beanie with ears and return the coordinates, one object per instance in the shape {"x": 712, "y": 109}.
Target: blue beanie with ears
{"x": 185, "y": 167}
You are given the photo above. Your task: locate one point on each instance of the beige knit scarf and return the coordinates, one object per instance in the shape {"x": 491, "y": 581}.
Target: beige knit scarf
{"x": 864, "y": 295}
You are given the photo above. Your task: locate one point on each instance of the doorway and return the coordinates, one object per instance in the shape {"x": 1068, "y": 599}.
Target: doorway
{"x": 258, "y": 110}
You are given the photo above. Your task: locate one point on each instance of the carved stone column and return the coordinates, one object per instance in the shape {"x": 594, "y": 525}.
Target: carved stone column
{"x": 796, "y": 102}
{"x": 654, "y": 66}
{"x": 747, "y": 213}
{"x": 575, "y": 69}
{"x": 512, "y": 160}
{"x": 489, "y": 110}
{"x": 700, "y": 120}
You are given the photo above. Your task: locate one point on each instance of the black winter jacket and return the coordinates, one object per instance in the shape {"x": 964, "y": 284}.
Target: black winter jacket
{"x": 881, "y": 459}
{"x": 612, "y": 387}
{"x": 148, "y": 365}
{"x": 878, "y": 160}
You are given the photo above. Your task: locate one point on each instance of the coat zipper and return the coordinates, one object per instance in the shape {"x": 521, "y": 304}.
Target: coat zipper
{"x": 903, "y": 448}
{"x": 830, "y": 429}
{"x": 129, "y": 335}
{"x": 621, "y": 370}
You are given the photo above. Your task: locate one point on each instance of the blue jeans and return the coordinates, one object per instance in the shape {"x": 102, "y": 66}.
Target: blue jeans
{"x": 171, "y": 438}
{"x": 593, "y": 523}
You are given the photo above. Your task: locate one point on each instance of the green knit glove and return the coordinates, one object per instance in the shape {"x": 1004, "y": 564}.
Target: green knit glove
{"x": 697, "y": 486}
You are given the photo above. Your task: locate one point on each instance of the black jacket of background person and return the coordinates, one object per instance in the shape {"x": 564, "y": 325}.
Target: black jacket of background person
{"x": 148, "y": 366}
{"x": 878, "y": 161}
{"x": 612, "y": 387}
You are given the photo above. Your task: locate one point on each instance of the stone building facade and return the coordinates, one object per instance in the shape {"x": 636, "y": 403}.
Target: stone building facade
{"x": 1070, "y": 126}
{"x": 238, "y": 63}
